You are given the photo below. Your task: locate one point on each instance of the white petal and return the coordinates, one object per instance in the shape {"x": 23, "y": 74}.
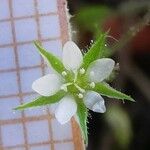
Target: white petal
{"x": 47, "y": 85}
{"x": 100, "y": 69}
{"x": 72, "y": 56}
{"x": 94, "y": 102}
{"x": 66, "y": 109}
{"x": 99, "y": 107}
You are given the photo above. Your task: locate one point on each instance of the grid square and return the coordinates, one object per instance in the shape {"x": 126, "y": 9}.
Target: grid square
{"x": 26, "y": 30}
{"x": 62, "y": 146}
{"x": 54, "y": 47}
{"x": 8, "y": 83}
{"x": 6, "y": 108}
{"x": 4, "y": 9}
{"x": 34, "y": 111}
{"x": 44, "y": 147}
{"x": 46, "y": 6}
{"x": 7, "y": 58}
{"x": 28, "y": 56}
{"x": 13, "y": 132}
{"x": 22, "y": 8}
{"x": 6, "y": 33}
{"x": 28, "y": 77}
{"x": 38, "y": 131}
{"x": 64, "y": 133}
{"x": 49, "y": 26}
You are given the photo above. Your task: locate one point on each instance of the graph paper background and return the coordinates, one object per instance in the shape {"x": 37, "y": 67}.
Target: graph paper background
{"x": 21, "y": 22}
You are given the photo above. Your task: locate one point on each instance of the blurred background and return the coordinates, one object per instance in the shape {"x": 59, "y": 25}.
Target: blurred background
{"x": 125, "y": 125}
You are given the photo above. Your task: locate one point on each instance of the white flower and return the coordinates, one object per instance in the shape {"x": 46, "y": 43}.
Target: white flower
{"x": 72, "y": 60}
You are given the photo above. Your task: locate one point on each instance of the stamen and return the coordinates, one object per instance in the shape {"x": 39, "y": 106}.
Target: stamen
{"x": 67, "y": 84}
{"x": 64, "y": 87}
{"x": 64, "y": 73}
{"x": 79, "y": 88}
{"x": 82, "y": 71}
{"x": 92, "y": 85}
{"x": 75, "y": 78}
{"x": 80, "y": 95}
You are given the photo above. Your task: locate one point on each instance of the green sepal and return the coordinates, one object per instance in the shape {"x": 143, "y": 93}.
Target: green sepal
{"x": 106, "y": 90}
{"x": 43, "y": 100}
{"x": 51, "y": 59}
{"x": 97, "y": 50}
{"x": 82, "y": 114}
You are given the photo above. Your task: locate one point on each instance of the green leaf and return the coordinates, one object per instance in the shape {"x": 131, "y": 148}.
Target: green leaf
{"x": 51, "y": 59}
{"x": 97, "y": 50}
{"x": 42, "y": 100}
{"x": 106, "y": 90}
{"x": 82, "y": 114}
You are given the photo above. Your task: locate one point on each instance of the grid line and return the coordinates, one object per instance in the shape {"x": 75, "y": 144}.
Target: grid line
{"x": 39, "y": 144}
{"x": 29, "y": 17}
{"x": 1, "y": 143}
{"x": 22, "y": 68}
{"x": 28, "y": 119}
{"x": 29, "y": 42}
{"x": 43, "y": 68}
{"x": 17, "y": 95}
{"x": 17, "y": 70}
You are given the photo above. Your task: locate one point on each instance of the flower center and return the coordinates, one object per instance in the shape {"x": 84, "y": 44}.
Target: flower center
{"x": 74, "y": 86}
{"x": 79, "y": 88}
{"x": 64, "y": 86}
{"x": 77, "y": 82}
